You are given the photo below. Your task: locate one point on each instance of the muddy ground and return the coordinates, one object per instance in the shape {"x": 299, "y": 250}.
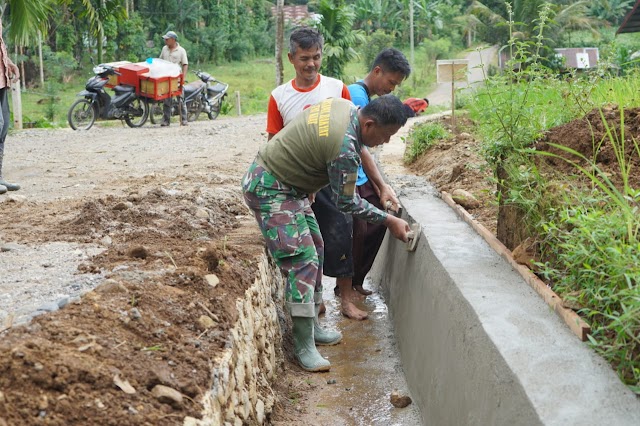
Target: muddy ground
{"x": 159, "y": 209}
{"x": 162, "y": 210}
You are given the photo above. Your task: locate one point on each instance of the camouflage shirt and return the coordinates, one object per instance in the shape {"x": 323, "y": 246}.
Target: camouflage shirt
{"x": 320, "y": 147}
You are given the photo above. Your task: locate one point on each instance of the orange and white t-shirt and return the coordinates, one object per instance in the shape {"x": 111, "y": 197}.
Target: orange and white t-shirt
{"x": 287, "y": 100}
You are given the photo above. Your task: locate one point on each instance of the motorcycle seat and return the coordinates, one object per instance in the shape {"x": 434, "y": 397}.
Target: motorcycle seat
{"x": 192, "y": 87}
{"x": 123, "y": 89}
{"x": 218, "y": 88}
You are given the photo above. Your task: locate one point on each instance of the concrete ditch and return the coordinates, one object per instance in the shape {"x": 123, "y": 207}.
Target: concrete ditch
{"x": 479, "y": 346}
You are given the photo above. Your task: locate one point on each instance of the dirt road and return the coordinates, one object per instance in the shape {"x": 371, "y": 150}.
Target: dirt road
{"x": 148, "y": 211}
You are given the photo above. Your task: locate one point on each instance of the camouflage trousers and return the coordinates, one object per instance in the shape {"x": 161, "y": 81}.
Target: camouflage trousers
{"x": 292, "y": 236}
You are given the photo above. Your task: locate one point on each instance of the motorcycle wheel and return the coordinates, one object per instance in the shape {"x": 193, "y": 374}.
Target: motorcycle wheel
{"x": 194, "y": 109}
{"x": 141, "y": 107}
{"x": 81, "y": 115}
{"x": 215, "y": 110}
{"x": 155, "y": 112}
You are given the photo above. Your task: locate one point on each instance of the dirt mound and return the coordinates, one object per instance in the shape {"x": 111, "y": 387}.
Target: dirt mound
{"x": 591, "y": 138}
{"x": 155, "y": 321}
{"x": 455, "y": 163}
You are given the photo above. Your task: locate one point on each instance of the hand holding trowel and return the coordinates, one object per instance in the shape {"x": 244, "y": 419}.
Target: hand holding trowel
{"x": 416, "y": 229}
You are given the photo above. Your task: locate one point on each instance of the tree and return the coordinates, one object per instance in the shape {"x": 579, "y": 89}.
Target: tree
{"x": 96, "y": 12}
{"x": 340, "y": 39}
{"x": 26, "y": 18}
{"x": 279, "y": 41}
{"x": 564, "y": 17}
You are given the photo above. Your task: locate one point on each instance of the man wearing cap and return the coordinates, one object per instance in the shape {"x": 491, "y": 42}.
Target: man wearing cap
{"x": 173, "y": 52}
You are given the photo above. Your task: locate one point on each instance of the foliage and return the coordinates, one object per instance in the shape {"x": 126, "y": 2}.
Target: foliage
{"x": 51, "y": 100}
{"x": 611, "y": 11}
{"x": 26, "y": 19}
{"x": 519, "y": 20}
{"x": 129, "y": 40}
{"x": 422, "y": 138}
{"x": 57, "y": 65}
{"x": 598, "y": 266}
{"x": 589, "y": 233}
{"x": 339, "y": 37}
{"x": 373, "y": 44}
{"x": 436, "y": 49}
{"x": 507, "y": 104}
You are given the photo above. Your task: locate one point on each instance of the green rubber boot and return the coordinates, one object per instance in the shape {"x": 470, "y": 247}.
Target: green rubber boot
{"x": 323, "y": 336}
{"x": 9, "y": 186}
{"x": 305, "y": 350}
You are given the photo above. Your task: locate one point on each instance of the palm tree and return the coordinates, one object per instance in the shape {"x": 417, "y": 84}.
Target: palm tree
{"x": 571, "y": 16}
{"x": 95, "y": 14}
{"x": 336, "y": 27}
{"x": 26, "y": 18}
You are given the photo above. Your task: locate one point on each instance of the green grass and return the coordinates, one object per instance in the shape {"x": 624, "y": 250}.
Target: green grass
{"x": 423, "y": 137}
{"x": 588, "y": 233}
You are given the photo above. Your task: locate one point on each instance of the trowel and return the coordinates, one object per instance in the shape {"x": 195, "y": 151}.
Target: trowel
{"x": 416, "y": 228}
{"x": 414, "y": 236}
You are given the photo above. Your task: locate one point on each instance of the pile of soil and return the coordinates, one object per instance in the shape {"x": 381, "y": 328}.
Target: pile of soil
{"x": 455, "y": 163}
{"x": 594, "y": 139}
{"x": 156, "y": 320}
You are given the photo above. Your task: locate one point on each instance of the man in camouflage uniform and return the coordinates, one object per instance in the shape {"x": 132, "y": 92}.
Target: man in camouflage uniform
{"x": 320, "y": 147}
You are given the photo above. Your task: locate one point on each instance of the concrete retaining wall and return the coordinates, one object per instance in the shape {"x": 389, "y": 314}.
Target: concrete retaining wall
{"x": 479, "y": 346}
{"x": 243, "y": 374}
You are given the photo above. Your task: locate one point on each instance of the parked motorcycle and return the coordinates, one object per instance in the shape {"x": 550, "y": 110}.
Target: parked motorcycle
{"x": 205, "y": 95}
{"x": 97, "y": 103}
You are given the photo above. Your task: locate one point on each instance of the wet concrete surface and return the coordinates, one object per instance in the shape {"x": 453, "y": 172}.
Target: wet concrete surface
{"x": 365, "y": 366}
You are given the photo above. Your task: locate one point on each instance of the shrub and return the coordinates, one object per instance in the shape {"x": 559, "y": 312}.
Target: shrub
{"x": 375, "y": 43}
{"x": 422, "y": 138}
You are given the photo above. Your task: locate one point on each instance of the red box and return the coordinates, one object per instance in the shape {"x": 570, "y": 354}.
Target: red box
{"x": 130, "y": 75}
{"x": 159, "y": 88}
{"x": 114, "y": 80}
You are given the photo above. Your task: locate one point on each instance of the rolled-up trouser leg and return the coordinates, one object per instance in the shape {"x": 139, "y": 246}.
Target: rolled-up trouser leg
{"x": 291, "y": 233}
{"x": 367, "y": 237}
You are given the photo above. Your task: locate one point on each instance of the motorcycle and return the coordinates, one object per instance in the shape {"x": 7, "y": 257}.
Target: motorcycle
{"x": 97, "y": 103}
{"x": 205, "y": 95}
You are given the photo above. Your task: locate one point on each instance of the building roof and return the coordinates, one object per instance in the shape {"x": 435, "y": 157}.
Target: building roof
{"x": 631, "y": 22}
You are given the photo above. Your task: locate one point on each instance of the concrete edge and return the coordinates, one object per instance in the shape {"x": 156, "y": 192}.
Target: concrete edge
{"x": 478, "y": 346}
{"x": 577, "y": 325}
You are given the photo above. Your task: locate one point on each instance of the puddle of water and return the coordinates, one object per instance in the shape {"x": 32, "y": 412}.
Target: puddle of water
{"x": 366, "y": 367}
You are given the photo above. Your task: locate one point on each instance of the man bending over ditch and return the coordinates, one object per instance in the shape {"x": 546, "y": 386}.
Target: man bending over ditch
{"x": 320, "y": 147}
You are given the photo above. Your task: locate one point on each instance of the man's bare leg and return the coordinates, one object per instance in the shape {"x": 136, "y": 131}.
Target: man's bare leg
{"x": 347, "y": 296}
{"x": 323, "y": 308}
{"x": 363, "y": 291}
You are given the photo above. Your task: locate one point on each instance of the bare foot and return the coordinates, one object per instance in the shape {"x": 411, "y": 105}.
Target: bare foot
{"x": 323, "y": 308}
{"x": 347, "y": 297}
{"x": 350, "y": 310}
{"x": 362, "y": 290}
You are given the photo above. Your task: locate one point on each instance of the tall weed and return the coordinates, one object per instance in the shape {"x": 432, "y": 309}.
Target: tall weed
{"x": 421, "y": 138}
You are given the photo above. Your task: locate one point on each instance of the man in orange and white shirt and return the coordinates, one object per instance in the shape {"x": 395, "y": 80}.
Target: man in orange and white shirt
{"x": 308, "y": 87}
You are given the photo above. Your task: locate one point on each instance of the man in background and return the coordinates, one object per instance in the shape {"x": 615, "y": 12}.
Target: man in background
{"x": 417, "y": 105}
{"x": 389, "y": 69}
{"x": 9, "y": 73}
{"x": 173, "y": 52}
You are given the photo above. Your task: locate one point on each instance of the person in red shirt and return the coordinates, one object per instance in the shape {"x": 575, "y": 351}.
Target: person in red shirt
{"x": 418, "y": 105}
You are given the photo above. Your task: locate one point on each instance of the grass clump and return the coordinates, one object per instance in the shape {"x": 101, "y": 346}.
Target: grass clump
{"x": 423, "y": 137}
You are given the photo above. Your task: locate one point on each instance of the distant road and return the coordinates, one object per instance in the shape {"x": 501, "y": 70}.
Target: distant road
{"x": 442, "y": 94}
